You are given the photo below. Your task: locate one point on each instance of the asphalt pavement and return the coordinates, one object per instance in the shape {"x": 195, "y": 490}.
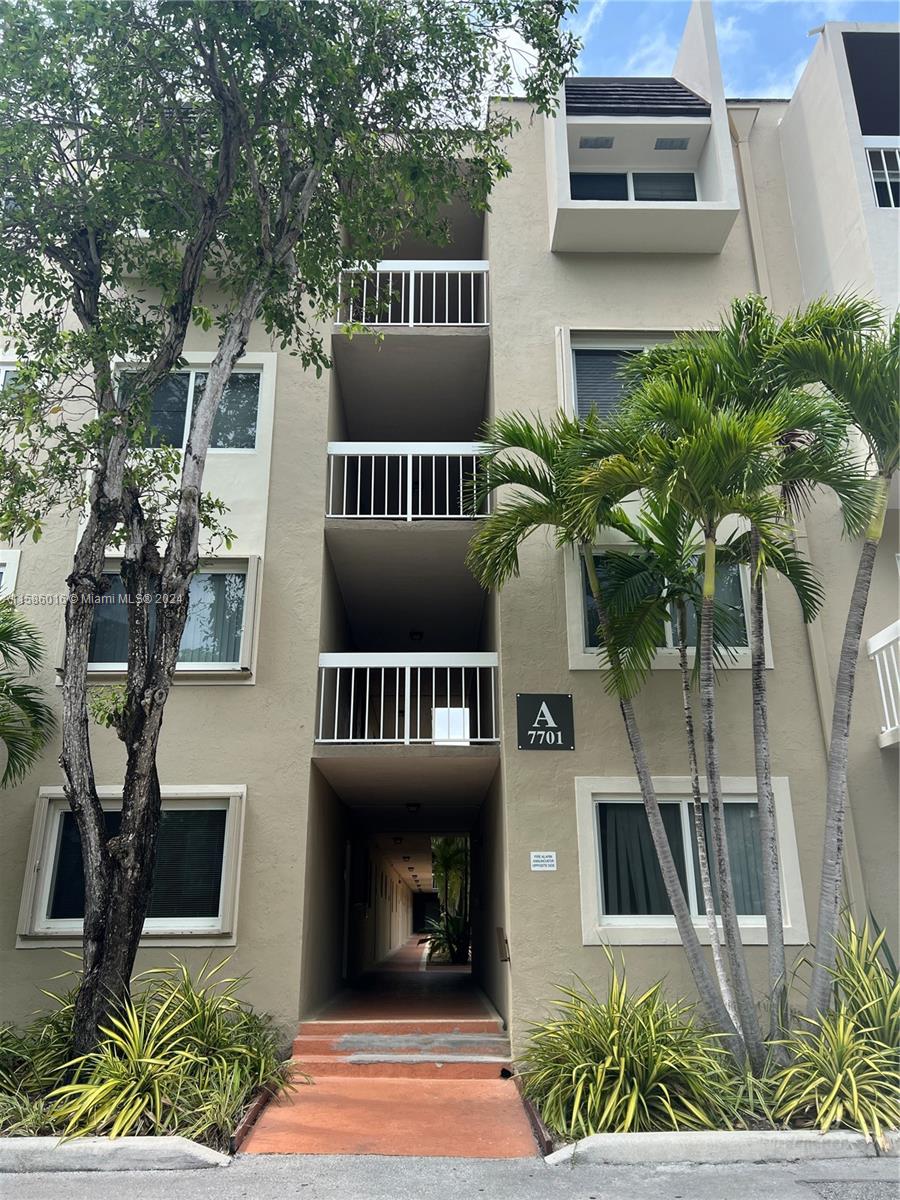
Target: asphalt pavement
{"x": 313, "y": 1177}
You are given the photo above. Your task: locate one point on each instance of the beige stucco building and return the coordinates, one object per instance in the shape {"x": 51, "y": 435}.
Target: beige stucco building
{"x": 347, "y": 690}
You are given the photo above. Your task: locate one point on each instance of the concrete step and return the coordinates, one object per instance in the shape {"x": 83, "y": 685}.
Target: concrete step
{"x": 326, "y": 1028}
{"x": 436, "y": 1044}
{"x": 401, "y": 1066}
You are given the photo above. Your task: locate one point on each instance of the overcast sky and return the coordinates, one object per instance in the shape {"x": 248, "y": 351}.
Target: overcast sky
{"x": 763, "y": 44}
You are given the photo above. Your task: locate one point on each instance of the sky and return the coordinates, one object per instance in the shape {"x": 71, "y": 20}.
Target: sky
{"x": 763, "y": 44}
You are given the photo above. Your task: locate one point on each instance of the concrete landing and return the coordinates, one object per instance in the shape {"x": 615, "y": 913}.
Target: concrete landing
{"x": 409, "y": 1062}
{"x": 465, "y": 1118}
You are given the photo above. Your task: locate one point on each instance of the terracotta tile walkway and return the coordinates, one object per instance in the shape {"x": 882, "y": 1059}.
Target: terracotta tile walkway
{"x": 414, "y": 1025}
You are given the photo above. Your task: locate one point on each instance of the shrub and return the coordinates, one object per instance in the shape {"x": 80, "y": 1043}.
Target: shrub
{"x": 844, "y": 1067}
{"x": 183, "y": 1056}
{"x": 627, "y": 1064}
{"x": 839, "y": 1074}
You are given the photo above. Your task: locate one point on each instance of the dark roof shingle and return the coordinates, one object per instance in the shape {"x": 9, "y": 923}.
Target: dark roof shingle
{"x": 658, "y": 97}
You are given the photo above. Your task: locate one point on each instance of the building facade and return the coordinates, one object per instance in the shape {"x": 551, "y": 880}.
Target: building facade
{"x": 347, "y": 690}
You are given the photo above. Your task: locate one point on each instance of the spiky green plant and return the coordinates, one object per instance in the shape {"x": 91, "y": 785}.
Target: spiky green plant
{"x": 26, "y": 719}
{"x": 839, "y": 1075}
{"x": 628, "y": 1063}
{"x": 867, "y": 981}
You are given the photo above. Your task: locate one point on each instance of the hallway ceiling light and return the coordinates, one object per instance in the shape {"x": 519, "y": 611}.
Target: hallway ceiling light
{"x": 397, "y": 841}
{"x": 413, "y": 808}
{"x": 416, "y": 635}
{"x": 406, "y": 858}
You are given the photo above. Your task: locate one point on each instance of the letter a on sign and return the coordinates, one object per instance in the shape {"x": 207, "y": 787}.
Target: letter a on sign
{"x": 545, "y": 722}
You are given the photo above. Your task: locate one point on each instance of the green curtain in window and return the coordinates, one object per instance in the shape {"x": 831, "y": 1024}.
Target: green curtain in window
{"x": 632, "y": 881}
{"x": 742, "y": 835}
{"x": 212, "y": 633}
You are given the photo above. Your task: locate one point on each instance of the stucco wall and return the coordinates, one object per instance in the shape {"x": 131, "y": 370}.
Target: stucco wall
{"x": 533, "y": 293}
{"x": 489, "y": 910}
{"x": 258, "y": 735}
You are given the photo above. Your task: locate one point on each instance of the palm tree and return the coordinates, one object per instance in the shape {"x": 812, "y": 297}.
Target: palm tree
{"x": 655, "y": 583}
{"x": 742, "y": 362}
{"x": 716, "y": 461}
{"x": 542, "y": 463}
{"x": 26, "y": 720}
{"x": 860, "y": 370}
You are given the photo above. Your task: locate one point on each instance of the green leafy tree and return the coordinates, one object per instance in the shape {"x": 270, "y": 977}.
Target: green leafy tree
{"x": 860, "y": 370}
{"x": 221, "y": 163}
{"x": 741, "y": 362}
{"x": 540, "y": 467}
{"x": 26, "y": 719}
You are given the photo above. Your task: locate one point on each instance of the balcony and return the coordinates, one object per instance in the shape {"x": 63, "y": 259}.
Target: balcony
{"x": 403, "y": 481}
{"x": 413, "y": 293}
{"x": 408, "y": 699}
{"x": 884, "y": 651}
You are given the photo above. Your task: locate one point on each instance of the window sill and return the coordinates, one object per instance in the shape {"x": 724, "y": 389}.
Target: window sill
{"x": 753, "y": 933}
{"x": 116, "y": 673}
{"x": 65, "y": 941}
{"x": 666, "y": 660}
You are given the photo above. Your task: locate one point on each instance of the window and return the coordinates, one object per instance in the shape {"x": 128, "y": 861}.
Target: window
{"x": 234, "y": 427}
{"x": 9, "y": 569}
{"x": 624, "y": 900}
{"x": 195, "y": 879}
{"x": 217, "y": 635}
{"x": 884, "y": 168}
{"x": 641, "y": 186}
{"x": 599, "y": 385}
{"x": 729, "y": 594}
{"x": 631, "y": 881}
{"x": 600, "y": 185}
{"x": 7, "y": 374}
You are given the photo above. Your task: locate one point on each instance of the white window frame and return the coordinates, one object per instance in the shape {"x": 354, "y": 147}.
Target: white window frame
{"x": 244, "y": 667}
{"x": 880, "y": 144}
{"x": 192, "y": 368}
{"x": 9, "y": 571}
{"x": 629, "y": 173}
{"x": 577, "y": 340}
{"x": 598, "y": 928}
{"x": 35, "y": 929}
{"x": 585, "y": 658}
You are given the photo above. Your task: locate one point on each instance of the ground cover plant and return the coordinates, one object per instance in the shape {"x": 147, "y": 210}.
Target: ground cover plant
{"x": 184, "y": 1055}
{"x": 634, "y": 1062}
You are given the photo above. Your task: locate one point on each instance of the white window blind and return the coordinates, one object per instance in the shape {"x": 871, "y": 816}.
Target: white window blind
{"x": 598, "y": 382}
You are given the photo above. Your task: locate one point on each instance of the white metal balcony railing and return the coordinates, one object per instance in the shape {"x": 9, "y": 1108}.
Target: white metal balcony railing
{"x": 416, "y": 292}
{"x": 410, "y": 699}
{"x": 884, "y": 650}
{"x": 407, "y": 481}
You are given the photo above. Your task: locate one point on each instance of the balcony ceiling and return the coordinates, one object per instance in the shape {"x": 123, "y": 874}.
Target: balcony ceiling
{"x": 395, "y": 577}
{"x": 633, "y": 145}
{"x": 416, "y": 383}
{"x": 378, "y": 783}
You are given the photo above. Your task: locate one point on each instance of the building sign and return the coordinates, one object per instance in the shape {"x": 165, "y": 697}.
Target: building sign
{"x": 544, "y": 721}
{"x": 543, "y": 860}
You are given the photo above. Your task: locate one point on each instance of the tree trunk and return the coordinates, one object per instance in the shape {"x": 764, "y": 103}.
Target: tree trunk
{"x": 709, "y": 905}
{"x": 831, "y": 885}
{"x": 765, "y": 804}
{"x": 736, "y": 962}
{"x": 710, "y": 1000}
{"x": 119, "y": 872}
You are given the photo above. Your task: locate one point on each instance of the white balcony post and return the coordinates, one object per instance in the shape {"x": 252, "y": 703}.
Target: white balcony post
{"x": 406, "y": 703}
{"x": 409, "y": 487}
{"x": 412, "y": 298}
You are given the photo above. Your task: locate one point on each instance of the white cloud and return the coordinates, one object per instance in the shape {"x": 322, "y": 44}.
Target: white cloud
{"x": 582, "y": 24}
{"x": 731, "y": 35}
{"x": 775, "y": 85}
{"x": 655, "y": 55}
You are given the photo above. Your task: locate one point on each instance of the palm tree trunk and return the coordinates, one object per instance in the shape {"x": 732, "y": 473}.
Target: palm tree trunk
{"x": 709, "y": 905}
{"x": 711, "y": 1001}
{"x": 737, "y": 965}
{"x": 831, "y": 885}
{"x": 765, "y": 802}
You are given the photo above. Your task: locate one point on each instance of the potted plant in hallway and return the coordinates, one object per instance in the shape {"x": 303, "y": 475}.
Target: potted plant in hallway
{"x": 449, "y": 935}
